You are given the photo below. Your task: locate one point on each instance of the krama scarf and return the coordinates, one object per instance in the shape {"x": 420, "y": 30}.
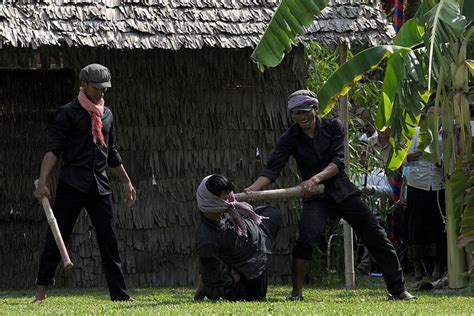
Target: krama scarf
{"x": 96, "y": 111}
{"x": 210, "y": 203}
{"x": 299, "y": 101}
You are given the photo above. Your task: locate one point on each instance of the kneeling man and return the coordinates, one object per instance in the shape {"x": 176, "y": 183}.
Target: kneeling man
{"x": 233, "y": 242}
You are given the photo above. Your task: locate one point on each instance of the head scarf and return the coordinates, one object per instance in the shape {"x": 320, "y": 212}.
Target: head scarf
{"x": 210, "y": 203}
{"x": 96, "y": 111}
{"x": 302, "y": 102}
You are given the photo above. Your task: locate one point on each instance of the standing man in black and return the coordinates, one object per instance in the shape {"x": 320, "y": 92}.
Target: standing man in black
{"x": 83, "y": 134}
{"x": 317, "y": 144}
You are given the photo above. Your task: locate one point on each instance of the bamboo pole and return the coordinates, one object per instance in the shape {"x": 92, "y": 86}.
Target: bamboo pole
{"x": 276, "y": 194}
{"x": 348, "y": 234}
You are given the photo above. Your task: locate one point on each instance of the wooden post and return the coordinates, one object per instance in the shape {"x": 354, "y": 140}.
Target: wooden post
{"x": 348, "y": 234}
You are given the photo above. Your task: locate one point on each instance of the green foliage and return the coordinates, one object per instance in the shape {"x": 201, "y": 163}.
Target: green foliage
{"x": 287, "y": 23}
{"x": 403, "y": 72}
{"x": 410, "y": 35}
{"x": 401, "y": 68}
{"x": 444, "y": 26}
{"x": 428, "y": 140}
{"x": 351, "y": 72}
{"x": 408, "y": 99}
{"x": 467, "y": 222}
{"x": 459, "y": 180}
{"x": 322, "y": 63}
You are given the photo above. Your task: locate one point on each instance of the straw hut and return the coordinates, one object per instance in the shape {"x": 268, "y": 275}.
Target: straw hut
{"x": 187, "y": 101}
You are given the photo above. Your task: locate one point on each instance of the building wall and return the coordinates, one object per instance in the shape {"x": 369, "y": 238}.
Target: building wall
{"x": 179, "y": 115}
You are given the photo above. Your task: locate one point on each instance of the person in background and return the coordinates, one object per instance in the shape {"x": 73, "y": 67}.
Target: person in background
{"x": 427, "y": 244}
{"x": 317, "y": 145}
{"x": 233, "y": 243}
{"x": 377, "y": 190}
{"x": 83, "y": 134}
{"x": 379, "y": 145}
{"x": 368, "y": 129}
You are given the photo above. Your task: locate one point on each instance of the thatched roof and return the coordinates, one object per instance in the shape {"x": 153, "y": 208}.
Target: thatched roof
{"x": 175, "y": 24}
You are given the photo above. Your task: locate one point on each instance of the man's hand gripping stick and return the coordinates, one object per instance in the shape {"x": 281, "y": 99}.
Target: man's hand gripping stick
{"x": 53, "y": 224}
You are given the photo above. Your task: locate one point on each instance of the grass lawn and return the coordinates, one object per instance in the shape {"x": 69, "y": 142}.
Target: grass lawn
{"x": 368, "y": 298}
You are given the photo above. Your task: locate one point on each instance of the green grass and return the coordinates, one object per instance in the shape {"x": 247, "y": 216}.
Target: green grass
{"x": 368, "y": 298}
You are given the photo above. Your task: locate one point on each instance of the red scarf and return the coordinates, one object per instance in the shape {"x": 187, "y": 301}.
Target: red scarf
{"x": 96, "y": 111}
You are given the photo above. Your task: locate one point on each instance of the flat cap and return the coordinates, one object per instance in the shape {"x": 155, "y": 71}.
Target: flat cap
{"x": 97, "y": 75}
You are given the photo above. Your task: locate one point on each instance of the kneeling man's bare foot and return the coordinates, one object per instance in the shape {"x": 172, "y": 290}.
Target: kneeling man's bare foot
{"x": 40, "y": 294}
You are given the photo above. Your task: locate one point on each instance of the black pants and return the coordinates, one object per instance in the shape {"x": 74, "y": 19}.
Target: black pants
{"x": 251, "y": 290}
{"x": 270, "y": 225}
{"x": 313, "y": 219}
{"x": 67, "y": 207}
{"x": 426, "y": 230}
{"x": 256, "y": 289}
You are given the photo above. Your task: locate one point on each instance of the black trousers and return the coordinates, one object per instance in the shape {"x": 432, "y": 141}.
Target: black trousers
{"x": 314, "y": 215}
{"x": 256, "y": 289}
{"x": 270, "y": 225}
{"x": 426, "y": 230}
{"x": 67, "y": 207}
{"x": 251, "y": 290}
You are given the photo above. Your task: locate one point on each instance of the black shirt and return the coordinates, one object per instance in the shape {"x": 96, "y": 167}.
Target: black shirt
{"x": 312, "y": 155}
{"x": 84, "y": 161}
{"x": 220, "y": 248}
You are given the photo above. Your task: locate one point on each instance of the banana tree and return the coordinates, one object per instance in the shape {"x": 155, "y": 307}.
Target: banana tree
{"x": 428, "y": 54}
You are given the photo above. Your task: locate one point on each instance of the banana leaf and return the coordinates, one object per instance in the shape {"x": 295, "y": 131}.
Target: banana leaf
{"x": 470, "y": 66}
{"x": 467, "y": 222}
{"x": 444, "y": 25}
{"x": 460, "y": 180}
{"x": 287, "y": 23}
{"x": 410, "y": 35}
{"x": 428, "y": 139}
{"x": 352, "y": 71}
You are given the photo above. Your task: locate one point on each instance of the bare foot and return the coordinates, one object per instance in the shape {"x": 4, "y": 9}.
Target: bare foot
{"x": 40, "y": 296}
{"x": 199, "y": 295}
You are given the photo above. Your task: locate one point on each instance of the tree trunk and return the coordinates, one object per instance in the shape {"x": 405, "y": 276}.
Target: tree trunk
{"x": 456, "y": 256}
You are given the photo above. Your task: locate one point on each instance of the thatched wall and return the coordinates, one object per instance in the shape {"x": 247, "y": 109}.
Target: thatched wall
{"x": 179, "y": 116}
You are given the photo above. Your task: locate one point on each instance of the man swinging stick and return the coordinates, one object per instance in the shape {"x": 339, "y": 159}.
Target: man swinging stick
{"x": 83, "y": 134}
{"x": 317, "y": 144}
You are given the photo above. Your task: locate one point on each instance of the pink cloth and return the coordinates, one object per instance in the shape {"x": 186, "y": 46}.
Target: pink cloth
{"x": 96, "y": 111}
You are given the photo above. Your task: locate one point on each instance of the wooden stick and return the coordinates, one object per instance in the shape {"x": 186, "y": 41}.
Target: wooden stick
{"x": 53, "y": 224}
{"x": 276, "y": 194}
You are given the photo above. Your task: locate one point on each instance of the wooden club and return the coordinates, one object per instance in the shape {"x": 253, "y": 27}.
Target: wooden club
{"x": 53, "y": 224}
